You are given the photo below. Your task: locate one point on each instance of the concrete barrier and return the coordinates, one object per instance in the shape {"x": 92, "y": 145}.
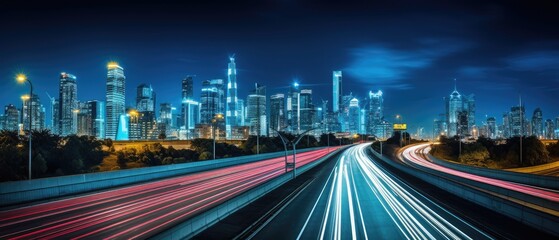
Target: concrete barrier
{"x": 549, "y": 182}
{"x": 195, "y": 225}
{"x": 537, "y": 219}
{"x": 45, "y": 188}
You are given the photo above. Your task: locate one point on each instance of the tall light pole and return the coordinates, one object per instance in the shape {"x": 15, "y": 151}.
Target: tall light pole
{"x": 520, "y": 112}
{"x": 293, "y": 143}
{"x": 401, "y": 132}
{"x": 21, "y": 78}
{"x": 217, "y": 117}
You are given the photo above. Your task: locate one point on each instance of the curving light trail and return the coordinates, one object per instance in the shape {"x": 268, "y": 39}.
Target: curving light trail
{"x": 416, "y": 155}
{"x": 361, "y": 200}
{"x": 142, "y": 210}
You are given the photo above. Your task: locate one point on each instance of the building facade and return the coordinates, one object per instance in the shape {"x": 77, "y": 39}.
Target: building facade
{"x": 115, "y": 100}
{"x": 68, "y": 103}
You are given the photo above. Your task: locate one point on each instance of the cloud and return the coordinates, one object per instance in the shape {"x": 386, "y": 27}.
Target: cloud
{"x": 535, "y": 61}
{"x": 390, "y": 67}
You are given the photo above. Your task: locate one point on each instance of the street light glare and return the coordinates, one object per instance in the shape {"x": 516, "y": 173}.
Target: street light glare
{"x": 21, "y": 78}
{"x": 25, "y": 97}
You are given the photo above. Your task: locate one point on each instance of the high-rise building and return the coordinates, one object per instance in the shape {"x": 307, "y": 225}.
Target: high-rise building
{"x": 115, "y": 104}
{"x": 376, "y": 110}
{"x": 256, "y": 111}
{"x": 293, "y": 109}
{"x": 91, "y": 119}
{"x": 458, "y": 104}
{"x": 549, "y": 130}
{"x": 134, "y": 126}
{"x": 68, "y": 103}
{"x": 145, "y": 98}
{"x": 241, "y": 109}
{"x": 190, "y": 116}
{"x": 306, "y": 110}
{"x": 354, "y": 116}
{"x": 211, "y": 100}
{"x": 232, "y": 114}
{"x": 11, "y": 118}
{"x": 187, "y": 89}
{"x": 537, "y": 123}
{"x": 165, "y": 114}
{"x": 491, "y": 127}
{"x": 37, "y": 113}
{"x": 517, "y": 121}
{"x": 51, "y": 118}
{"x": 336, "y": 90}
{"x": 277, "y": 113}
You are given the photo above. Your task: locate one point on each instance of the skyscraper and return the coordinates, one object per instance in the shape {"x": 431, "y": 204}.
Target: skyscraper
{"x": 256, "y": 111}
{"x": 376, "y": 110}
{"x": 211, "y": 100}
{"x": 306, "y": 109}
{"x": 459, "y": 104}
{"x": 68, "y": 103}
{"x": 145, "y": 98}
{"x": 187, "y": 91}
{"x": 354, "y": 116}
{"x": 491, "y": 127}
{"x": 293, "y": 109}
{"x": 517, "y": 120}
{"x": 537, "y": 123}
{"x": 190, "y": 116}
{"x": 337, "y": 90}
{"x": 549, "y": 129}
{"x": 277, "y": 113}
{"x": 11, "y": 117}
{"x": 38, "y": 113}
{"x": 232, "y": 114}
{"x": 115, "y": 105}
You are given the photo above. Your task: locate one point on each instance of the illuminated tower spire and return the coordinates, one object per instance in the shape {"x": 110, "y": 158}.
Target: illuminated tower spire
{"x": 232, "y": 114}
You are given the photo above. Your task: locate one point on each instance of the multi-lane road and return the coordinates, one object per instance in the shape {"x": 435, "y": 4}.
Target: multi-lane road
{"x": 143, "y": 210}
{"x": 359, "y": 199}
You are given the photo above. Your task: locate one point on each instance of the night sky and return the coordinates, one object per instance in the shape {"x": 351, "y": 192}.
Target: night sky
{"x": 411, "y": 51}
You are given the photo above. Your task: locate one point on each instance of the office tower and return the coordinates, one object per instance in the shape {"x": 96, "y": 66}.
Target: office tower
{"x": 337, "y": 90}
{"x": 537, "y": 123}
{"x": 11, "y": 118}
{"x": 134, "y": 127}
{"x": 354, "y": 116}
{"x": 306, "y": 106}
{"x": 37, "y": 112}
{"x": 241, "y": 109}
{"x": 115, "y": 107}
{"x": 90, "y": 119}
{"x": 232, "y": 114}
{"x": 190, "y": 117}
{"x": 462, "y": 123}
{"x": 376, "y": 111}
{"x": 517, "y": 120}
{"x": 56, "y": 117}
{"x": 256, "y": 111}
{"x": 293, "y": 110}
{"x": 165, "y": 114}
{"x": 187, "y": 89}
{"x": 277, "y": 113}
{"x": 145, "y": 98}
{"x": 211, "y": 100}
{"x": 549, "y": 129}
{"x": 491, "y": 127}
{"x": 344, "y": 112}
{"x": 122, "y": 133}
{"x": 68, "y": 103}
{"x": 455, "y": 104}
{"x": 53, "y": 105}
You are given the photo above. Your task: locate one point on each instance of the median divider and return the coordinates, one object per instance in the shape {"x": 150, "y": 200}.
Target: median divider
{"x": 195, "y": 225}
{"x": 23, "y": 191}
{"x": 537, "y": 219}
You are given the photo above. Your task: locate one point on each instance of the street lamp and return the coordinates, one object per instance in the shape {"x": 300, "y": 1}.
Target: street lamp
{"x": 21, "y": 78}
{"x": 293, "y": 143}
{"x": 217, "y": 117}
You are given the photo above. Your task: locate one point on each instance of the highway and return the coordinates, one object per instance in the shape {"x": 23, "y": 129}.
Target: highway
{"x": 359, "y": 199}
{"x": 140, "y": 211}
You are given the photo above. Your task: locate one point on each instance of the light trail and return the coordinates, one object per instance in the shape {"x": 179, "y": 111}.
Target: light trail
{"x": 357, "y": 181}
{"x": 142, "y": 210}
{"x": 414, "y": 155}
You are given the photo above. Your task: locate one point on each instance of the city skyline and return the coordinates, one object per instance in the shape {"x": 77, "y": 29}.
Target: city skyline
{"x": 415, "y": 66}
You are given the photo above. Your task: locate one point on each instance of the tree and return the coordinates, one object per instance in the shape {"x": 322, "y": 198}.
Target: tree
{"x": 162, "y": 136}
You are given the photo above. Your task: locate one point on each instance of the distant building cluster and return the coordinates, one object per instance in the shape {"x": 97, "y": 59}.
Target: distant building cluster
{"x": 459, "y": 120}
{"x": 218, "y": 112}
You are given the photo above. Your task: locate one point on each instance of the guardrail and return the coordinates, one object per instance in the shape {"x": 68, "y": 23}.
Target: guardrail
{"x": 524, "y": 178}
{"x": 45, "y": 188}
{"x": 195, "y": 225}
{"x": 539, "y": 220}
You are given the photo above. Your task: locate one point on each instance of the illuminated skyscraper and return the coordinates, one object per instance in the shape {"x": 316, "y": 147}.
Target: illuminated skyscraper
{"x": 306, "y": 110}
{"x": 211, "y": 100}
{"x": 190, "y": 117}
{"x": 145, "y": 98}
{"x": 537, "y": 123}
{"x": 549, "y": 130}
{"x": 91, "y": 120}
{"x": 232, "y": 114}
{"x": 277, "y": 113}
{"x": 293, "y": 109}
{"x": 68, "y": 102}
{"x": 376, "y": 110}
{"x": 459, "y": 104}
{"x": 11, "y": 118}
{"x": 337, "y": 90}
{"x": 187, "y": 91}
{"x": 256, "y": 111}
{"x": 491, "y": 127}
{"x": 115, "y": 105}
{"x": 354, "y": 113}
{"x": 38, "y": 113}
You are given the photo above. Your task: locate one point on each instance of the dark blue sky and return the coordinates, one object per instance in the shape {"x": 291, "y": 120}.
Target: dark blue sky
{"x": 411, "y": 51}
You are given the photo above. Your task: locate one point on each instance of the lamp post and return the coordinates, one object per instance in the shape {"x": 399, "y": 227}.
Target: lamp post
{"x": 294, "y": 144}
{"x": 21, "y": 78}
{"x": 217, "y": 117}
{"x": 401, "y": 132}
